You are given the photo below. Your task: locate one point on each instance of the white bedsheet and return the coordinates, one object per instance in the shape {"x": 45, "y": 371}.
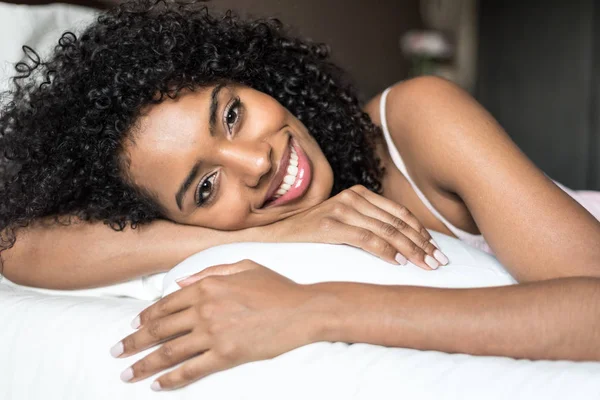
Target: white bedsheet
{"x": 57, "y": 347}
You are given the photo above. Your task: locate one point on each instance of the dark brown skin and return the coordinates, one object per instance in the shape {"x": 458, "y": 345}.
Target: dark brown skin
{"x": 457, "y": 154}
{"x": 460, "y": 158}
{"x": 245, "y": 152}
{"x": 479, "y": 180}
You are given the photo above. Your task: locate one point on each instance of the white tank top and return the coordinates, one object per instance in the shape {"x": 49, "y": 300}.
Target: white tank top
{"x": 588, "y": 199}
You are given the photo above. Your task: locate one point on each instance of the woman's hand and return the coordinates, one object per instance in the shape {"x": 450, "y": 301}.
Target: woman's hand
{"x": 363, "y": 219}
{"x": 224, "y": 316}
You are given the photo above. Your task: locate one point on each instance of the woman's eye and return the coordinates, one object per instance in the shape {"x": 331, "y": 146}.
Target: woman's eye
{"x": 205, "y": 191}
{"x": 232, "y": 115}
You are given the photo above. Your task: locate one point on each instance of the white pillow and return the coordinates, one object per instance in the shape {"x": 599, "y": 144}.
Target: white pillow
{"x": 316, "y": 262}
{"x": 145, "y": 288}
{"x": 39, "y": 27}
{"x": 61, "y": 344}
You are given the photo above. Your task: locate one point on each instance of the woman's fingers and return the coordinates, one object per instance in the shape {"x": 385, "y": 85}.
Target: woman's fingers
{"x": 190, "y": 371}
{"x": 365, "y": 239}
{"x": 167, "y": 355}
{"x": 154, "y": 332}
{"x": 411, "y": 244}
{"x": 179, "y": 300}
{"x": 222, "y": 269}
{"x": 392, "y": 208}
{"x": 381, "y": 238}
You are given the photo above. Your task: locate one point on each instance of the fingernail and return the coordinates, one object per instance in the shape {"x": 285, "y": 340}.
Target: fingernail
{"x": 137, "y": 322}
{"x": 433, "y": 242}
{"x": 155, "y": 386}
{"x": 401, "y": 259}
{"x": 117, "y": 350}
{"x": 441, "y": 257}
{"x": 182, "y": 278}
{"x": 431, "y": 262}
{"x": 127, "y": 375}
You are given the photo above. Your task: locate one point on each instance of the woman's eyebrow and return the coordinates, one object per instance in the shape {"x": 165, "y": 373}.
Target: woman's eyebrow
{"x": 186, "y": 184}
{"x": 214, "y": 106}
{"x": 212, "y": 120}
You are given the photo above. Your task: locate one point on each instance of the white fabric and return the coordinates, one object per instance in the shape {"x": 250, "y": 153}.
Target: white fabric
{"x": 145, "y": 288}
{"x": 317, "y": 262}
{"x": 39, "y": 27}
{"x": 57, "y": 347}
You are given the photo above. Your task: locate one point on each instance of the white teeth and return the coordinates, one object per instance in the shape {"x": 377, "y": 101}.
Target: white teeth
{"x": 290, "y": 178}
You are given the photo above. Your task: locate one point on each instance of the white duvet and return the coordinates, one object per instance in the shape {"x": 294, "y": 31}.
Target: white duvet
{"x": 57, "y": 347}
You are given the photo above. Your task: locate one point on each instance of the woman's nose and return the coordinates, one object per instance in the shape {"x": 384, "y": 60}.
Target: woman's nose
{"x": 251, "y": 162}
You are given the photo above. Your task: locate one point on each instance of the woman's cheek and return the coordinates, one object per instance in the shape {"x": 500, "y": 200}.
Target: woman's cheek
{"x": 230, "y": 216}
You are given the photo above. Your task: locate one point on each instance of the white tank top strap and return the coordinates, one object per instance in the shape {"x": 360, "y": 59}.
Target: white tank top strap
{"x": 400, "y": 164}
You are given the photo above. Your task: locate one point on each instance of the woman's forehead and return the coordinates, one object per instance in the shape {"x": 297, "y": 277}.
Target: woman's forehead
{"x": 174, "y": 123}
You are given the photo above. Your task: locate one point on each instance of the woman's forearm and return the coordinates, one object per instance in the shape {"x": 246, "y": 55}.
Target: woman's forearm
{"x": 554, "y": 319}
{"x": 84, "y": 255}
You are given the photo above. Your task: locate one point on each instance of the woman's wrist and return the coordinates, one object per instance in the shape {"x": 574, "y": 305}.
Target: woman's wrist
{"x": 187, "y": 240}
{"x": 328, "y": 312}
{"x": 171, "y": 243}
{"x": 356, "y": 312}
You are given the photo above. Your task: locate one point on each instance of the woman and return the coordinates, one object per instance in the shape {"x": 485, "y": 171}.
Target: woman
{"x": 188, "y": 128}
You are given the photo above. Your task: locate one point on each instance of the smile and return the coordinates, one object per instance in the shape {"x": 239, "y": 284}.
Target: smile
{"x": 294, "y": 178}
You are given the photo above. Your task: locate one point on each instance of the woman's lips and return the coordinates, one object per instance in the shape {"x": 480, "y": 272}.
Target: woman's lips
{"x": 302, "y": 182}
{"x": 279, "y": 175}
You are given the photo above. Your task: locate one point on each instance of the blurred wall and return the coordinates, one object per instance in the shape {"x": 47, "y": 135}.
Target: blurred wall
{"x": 539, "y": 69}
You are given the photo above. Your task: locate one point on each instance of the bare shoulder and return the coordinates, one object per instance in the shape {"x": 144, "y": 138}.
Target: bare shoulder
{"x": 452, "y": 142}
{"x": 414, "y": 111}
{"x": 411, "y": 101}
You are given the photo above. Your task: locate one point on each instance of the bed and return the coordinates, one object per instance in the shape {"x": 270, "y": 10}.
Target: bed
{"x": 55, "y": 344}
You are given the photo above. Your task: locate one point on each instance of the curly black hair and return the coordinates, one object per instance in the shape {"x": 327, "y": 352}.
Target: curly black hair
{"x": 64, "y": 121}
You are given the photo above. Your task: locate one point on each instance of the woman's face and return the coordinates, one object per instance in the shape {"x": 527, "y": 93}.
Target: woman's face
{"x": 219, "y": 156}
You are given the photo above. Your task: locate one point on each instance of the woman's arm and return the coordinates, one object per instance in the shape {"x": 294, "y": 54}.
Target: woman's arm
{"x": 84, "y": 254}
{"x": 553, "y": 319}
{"x": 242, "y": 312}
{"x": 447, "y": 139}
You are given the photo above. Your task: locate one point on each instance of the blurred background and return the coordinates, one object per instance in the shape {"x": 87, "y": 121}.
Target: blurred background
{"x": 532, "y": 63}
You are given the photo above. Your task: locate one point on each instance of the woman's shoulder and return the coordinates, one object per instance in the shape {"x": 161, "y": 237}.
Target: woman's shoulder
{"x": 416, "y": 112}
{"x": 416, "y": 92}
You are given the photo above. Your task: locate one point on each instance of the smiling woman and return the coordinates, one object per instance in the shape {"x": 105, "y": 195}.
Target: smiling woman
{"x": 222, "y": 156}
{"x": 163, "y": 117}
{"x": 207, "y": 103}
{"x": 199, "y": 130}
